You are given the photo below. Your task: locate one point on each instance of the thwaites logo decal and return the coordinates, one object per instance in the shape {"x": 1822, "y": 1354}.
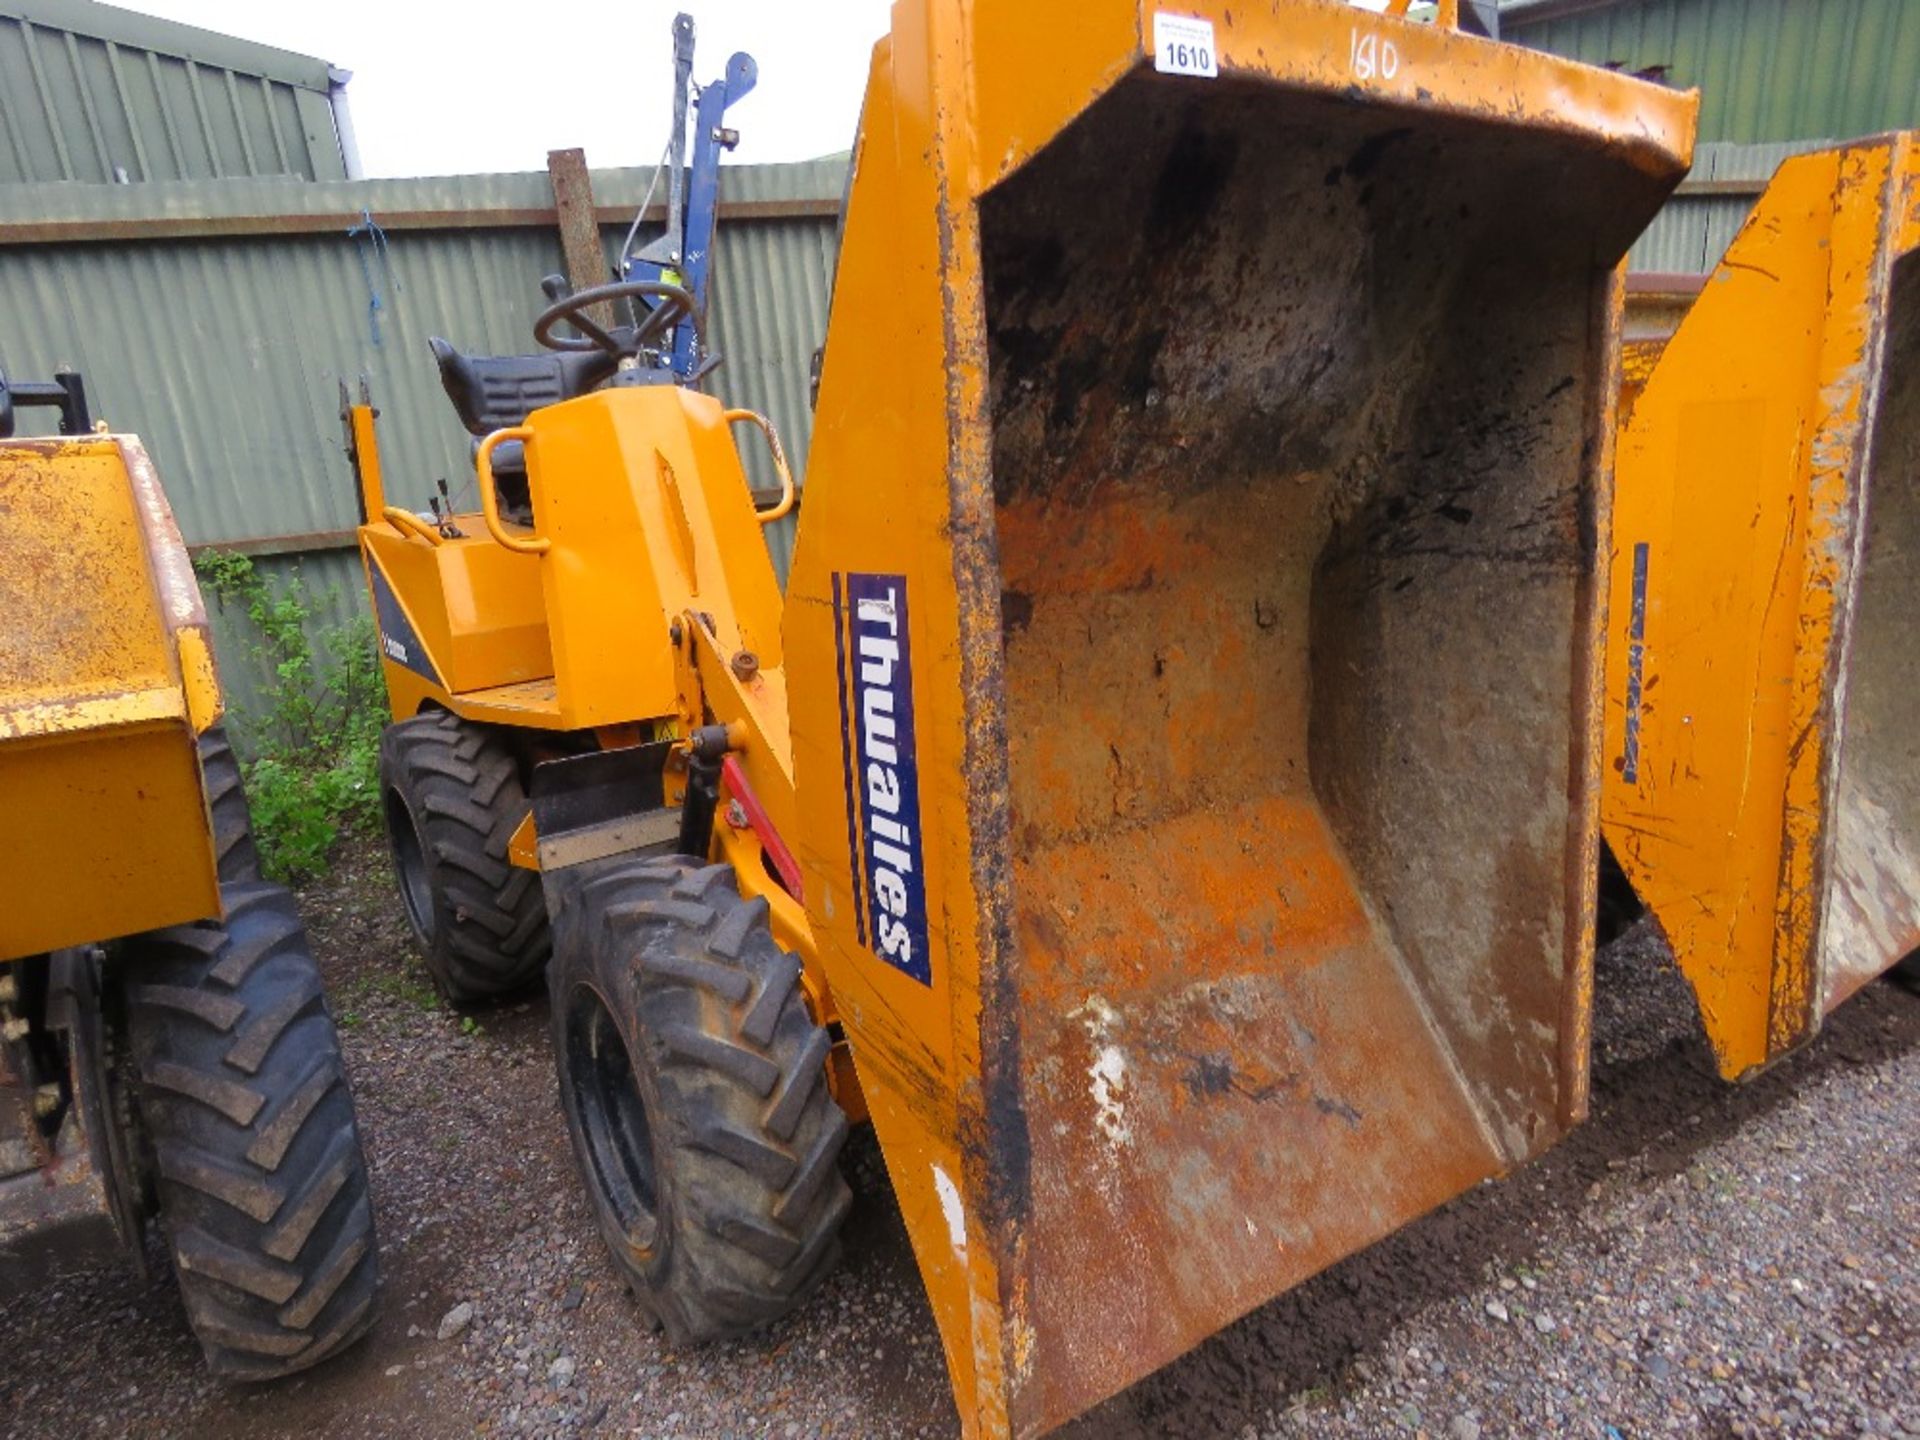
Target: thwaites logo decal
{"x": 882, "y": 775}
{"x": 398, "y": 639}
{"x": 1636, "y": 665}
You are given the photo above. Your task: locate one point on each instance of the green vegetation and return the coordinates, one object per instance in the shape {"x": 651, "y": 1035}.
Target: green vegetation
{"x": 312, "y": 742}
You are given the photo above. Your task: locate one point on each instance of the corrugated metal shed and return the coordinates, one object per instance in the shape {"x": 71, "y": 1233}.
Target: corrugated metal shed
{"x": 1768, "y": 70}
{"x": 92, "y": 92}
{"x": 219, "y": 319}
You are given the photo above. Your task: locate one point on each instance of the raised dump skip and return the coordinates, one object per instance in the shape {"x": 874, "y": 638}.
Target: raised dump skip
{"x": 1763, "y": 758}
{"x": 1231, "y": 452}
{"x": 1290, "y": 405}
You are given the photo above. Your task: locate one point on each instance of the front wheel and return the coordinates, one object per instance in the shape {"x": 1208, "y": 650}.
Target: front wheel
{"x": 693, "y": 1080}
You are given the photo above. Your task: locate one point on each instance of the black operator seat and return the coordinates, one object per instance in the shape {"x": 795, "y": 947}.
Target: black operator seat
{"x": 492, "y": 392}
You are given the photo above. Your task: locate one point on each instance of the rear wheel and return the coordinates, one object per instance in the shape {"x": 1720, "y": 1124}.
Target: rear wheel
{"x": 453, "y": 800}
{"x": 249, "y": 1131}
{"x": 693, "y": 1080}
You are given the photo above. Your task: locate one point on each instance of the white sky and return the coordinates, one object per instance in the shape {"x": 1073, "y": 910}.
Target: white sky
{"x": 440, "y": 89}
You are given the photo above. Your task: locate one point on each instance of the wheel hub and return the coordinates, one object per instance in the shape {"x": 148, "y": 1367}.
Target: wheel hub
{"x": 613, "y": 1118}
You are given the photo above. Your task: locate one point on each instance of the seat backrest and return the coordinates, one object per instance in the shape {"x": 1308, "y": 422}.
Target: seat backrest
{"x": 491, "y": 392}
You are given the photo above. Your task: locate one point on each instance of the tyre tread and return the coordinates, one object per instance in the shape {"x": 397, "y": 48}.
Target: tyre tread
{"x": 237, "y": 858}
{"x": 746, "y": 1134}
{"x": 262, "y": 1187}
{"x": 462, "y": 786}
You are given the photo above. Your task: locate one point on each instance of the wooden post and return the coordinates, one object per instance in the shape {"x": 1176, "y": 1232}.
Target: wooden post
{"x": 579, "y": 231}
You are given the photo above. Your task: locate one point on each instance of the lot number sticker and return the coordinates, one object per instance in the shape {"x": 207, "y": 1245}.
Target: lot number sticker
{"x": 1183, "y": 45}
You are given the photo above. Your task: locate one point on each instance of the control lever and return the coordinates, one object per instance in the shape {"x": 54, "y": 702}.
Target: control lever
{"x": 443, "y": 512}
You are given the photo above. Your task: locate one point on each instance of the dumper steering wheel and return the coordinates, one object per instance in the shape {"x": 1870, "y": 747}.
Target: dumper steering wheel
{"x": 621, "y": 341}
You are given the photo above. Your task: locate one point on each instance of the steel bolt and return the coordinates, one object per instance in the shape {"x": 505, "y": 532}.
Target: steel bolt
{"x": 674, "y": 633}
{"x": 746, "y": 664}
{"x": 46, "y": 1100}
{"x": 736, "y": 815}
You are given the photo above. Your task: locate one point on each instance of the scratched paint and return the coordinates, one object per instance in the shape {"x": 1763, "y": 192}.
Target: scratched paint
{"x": 1107, "y": 1075}
{"x": 1766, "y": 467}
{"x": 954, "y": 1209}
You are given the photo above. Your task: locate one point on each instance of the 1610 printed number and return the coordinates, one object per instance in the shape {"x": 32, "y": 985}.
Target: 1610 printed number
{"x": 1185, "y": 57}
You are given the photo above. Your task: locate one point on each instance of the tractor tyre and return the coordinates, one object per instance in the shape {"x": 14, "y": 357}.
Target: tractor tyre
{"x": 227, "y": 806}
{"x": 693, "y": 1079}
{"x": 453, "y": 800}
{"x": 249, "y": 1134}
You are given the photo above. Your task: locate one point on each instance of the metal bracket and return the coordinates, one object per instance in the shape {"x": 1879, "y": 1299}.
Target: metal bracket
{"x": 606, "y": 802}
{"x": 66, "y": 392}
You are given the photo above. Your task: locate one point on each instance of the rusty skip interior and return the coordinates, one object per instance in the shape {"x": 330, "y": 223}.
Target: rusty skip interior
{"x": 1294, "y": 407}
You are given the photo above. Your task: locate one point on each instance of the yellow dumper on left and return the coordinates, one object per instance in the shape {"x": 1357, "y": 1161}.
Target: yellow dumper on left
{"x": 165, "y": 1049}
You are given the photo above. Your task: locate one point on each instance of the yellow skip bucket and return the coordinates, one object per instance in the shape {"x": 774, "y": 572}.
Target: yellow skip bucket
{"x": 1194, "y": 646}
{"x": 1763, "y": 777}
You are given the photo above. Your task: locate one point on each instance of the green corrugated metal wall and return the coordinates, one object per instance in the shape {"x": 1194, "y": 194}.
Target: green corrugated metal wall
{"x": 224, "y": 350}
{"x": 1775, "y": 76}
{"x": 88, "y": 90}
{"x": 1768, "y": 70}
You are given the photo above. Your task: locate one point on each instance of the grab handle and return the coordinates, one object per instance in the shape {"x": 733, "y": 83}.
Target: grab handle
{"x": 490, "y": 504}
{"x": 767, "y": 517}
{"x": 408, "y": 523}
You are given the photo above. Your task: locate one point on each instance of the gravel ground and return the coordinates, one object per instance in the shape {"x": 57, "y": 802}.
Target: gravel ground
{"x": 1697, "y": 1260}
